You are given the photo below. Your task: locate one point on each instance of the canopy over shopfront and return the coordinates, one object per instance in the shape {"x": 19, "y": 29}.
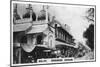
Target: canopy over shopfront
{"x": 21, "y": 27}
{"x": 37, "y": 29}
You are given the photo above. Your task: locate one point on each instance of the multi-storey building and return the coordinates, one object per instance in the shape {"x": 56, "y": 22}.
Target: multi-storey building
{"x": 37, "y": 30}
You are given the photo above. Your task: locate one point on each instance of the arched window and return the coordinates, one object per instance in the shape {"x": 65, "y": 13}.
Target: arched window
{"x": 50, "y": 40}
{"x": 39, "y": 39}
{"x": 51, "y": 43}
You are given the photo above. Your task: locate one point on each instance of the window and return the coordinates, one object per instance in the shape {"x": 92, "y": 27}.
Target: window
{"x": 39, "y": 39}
{"x": 51, "y": 43}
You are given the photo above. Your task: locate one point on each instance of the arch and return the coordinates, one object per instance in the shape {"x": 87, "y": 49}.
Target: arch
{"x": 50, "y": 40}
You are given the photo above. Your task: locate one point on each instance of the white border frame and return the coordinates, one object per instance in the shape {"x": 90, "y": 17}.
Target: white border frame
{"x": 53, "y": 4}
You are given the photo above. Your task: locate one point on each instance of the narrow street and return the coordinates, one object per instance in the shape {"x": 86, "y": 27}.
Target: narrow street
{"x": 87, "y": 56}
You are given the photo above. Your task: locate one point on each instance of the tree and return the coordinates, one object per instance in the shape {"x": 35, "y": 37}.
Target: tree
{"x": 90, "y": 14}
{"x": 89, "y": 33}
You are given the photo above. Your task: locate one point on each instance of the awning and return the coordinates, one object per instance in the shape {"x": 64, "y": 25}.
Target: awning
{"x": 28, "y": 47}
{"x": 63, "y": 44}
{"x": 38, "y": 29}
{"x": 31, "y": 47}
{"x": 21, "y": 27}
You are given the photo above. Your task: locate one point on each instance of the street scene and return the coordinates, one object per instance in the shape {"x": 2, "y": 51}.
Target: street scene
{"x": 46, "y": 31}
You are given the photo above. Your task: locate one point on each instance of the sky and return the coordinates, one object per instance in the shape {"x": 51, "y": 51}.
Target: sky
{"x": 71, "y": 15}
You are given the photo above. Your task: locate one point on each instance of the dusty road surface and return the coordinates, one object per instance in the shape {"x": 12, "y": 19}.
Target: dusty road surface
{"x": 87, "y": 56}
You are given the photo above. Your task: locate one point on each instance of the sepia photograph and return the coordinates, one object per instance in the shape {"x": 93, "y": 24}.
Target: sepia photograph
{"x": 48, "y": 33}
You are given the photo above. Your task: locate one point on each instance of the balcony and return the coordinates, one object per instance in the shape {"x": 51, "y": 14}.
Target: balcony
{"x": 21, "y": 21}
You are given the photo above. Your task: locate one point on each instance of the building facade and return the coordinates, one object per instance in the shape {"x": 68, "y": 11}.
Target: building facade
{"x": 33, "y": 31}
